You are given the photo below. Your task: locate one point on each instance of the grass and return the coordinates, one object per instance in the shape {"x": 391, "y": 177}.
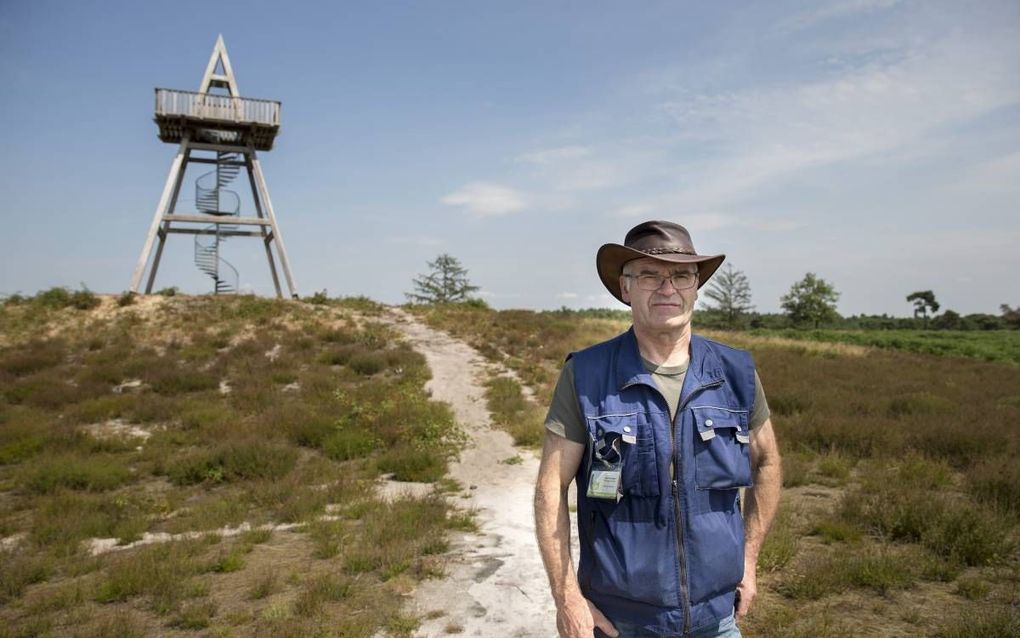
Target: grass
{"x": 113, "y": 424}
{"x": 879, "y": 569}
{"x": 522, "y": 418}
{"x": 901, "y": 448}
{"x": 902, "y": 462}
{"x": 989, "y": 345}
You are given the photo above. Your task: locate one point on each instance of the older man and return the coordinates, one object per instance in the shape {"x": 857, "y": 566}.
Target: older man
{"x": 660, "y": 429}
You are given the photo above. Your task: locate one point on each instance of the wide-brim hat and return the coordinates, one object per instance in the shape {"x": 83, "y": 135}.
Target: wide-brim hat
{"x": 663, "y": 241}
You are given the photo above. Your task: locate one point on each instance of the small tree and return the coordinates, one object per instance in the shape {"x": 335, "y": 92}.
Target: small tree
{"x": 948, "y": 320}
{"x": 446, "y": 282}
{"x": 731, "y": 291}
{"x": 1011, "y": 316}
{"x": 923, "y": 300}
{"x": 811, "y": 300}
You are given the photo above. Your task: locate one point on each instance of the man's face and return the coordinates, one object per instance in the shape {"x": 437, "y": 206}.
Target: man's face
{"x": 665, "y": 308}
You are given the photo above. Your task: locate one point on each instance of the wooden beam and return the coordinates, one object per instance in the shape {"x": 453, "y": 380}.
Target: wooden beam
{"x": 172, "y": 178}
{"x": 260, "y": 181}
{"x": 218, "y": 219}
{"x": 228, "y": 148}
{"x": 222, "y": 233}
{"x": 213, "y": 160}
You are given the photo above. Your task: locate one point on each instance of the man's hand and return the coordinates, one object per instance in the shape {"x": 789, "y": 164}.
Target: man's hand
{"x": 746, "y": 591}
{"x": 578, "y": 618}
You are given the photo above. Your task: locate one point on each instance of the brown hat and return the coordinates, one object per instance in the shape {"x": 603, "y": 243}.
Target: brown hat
{"x": 664, "y": 241}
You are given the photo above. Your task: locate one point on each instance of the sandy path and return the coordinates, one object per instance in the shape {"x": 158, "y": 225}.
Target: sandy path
{"x": 496, "y": 585}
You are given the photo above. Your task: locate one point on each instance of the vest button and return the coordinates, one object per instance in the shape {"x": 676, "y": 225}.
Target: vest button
{"x": 708, "y": 422}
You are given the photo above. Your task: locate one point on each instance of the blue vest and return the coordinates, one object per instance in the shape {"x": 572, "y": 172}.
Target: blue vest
{"x": 668, "y": 554}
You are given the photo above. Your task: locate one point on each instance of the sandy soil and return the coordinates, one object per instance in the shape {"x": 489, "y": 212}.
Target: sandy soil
{"x": 496, "y": 585}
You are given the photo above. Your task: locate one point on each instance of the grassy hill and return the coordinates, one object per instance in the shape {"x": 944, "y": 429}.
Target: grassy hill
{"x": 249, "y": 432}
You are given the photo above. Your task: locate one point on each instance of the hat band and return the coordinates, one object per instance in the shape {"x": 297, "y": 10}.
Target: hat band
{"x": 666, "y": 251}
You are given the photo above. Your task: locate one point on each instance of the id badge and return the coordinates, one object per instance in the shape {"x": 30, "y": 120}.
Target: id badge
{"x": 604, "y": 484}
{"x": 604, "y": 480}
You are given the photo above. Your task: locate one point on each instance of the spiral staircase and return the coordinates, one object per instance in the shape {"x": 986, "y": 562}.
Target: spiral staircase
{"x": 212, "y": 198}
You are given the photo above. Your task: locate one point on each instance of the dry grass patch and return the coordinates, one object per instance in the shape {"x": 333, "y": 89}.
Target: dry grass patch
{"x": 296, "y": 434}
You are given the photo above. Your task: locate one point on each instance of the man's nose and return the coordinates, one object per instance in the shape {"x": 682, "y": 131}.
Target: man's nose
{"x": 667, "y": 280}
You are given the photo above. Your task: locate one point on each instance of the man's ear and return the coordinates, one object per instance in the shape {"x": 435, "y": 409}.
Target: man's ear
{"x": 624, "y": 289}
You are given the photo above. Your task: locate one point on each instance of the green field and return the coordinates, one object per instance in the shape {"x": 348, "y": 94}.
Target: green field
{"x": 989, "y": 345}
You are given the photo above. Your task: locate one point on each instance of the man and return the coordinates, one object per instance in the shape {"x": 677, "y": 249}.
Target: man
{"x": 660, "y": 429}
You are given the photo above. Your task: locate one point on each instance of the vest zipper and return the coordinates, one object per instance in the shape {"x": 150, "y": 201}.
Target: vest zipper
{"x": 681, "y": 555}
{"x": 681, "y": 559}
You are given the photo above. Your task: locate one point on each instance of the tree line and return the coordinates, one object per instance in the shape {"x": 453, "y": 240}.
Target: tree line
{"x": 810, "y": 303}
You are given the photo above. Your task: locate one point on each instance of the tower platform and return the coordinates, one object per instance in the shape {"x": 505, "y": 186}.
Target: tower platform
{"x": 216, "y": 119}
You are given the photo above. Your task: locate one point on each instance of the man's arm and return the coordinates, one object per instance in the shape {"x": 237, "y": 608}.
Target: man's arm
{"x": 760, "y": 504}
{"x": 575, "y": 616}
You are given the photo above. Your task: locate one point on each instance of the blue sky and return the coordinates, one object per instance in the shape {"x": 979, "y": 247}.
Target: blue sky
{"x": 873, "y": 142}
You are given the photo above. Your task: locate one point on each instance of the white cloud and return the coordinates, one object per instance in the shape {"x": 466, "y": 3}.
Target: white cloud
{"x": 486, "y": 199}
{"x": 877, "y": 111}
{"x": 546, "y": 156}
{"x": 834, "y": 10}
{"x": 997, "y": 174}
{"x": 567, "y": 295}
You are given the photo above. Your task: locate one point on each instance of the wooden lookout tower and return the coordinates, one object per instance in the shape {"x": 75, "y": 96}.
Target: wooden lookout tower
{"x": 216, "y": 127}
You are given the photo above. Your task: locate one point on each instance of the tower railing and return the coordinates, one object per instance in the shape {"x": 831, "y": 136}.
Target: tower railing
{"x": 207, "y": 106}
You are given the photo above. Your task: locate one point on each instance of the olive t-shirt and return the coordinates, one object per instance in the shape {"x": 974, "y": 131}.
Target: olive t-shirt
{"x": 565, "y": 419}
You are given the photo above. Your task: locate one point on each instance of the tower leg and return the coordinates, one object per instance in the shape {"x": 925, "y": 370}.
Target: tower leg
{"x": 155, "y": 260}
{"x": 172, "y": 185}
{"x": 277, "y": 237}
{"x": 249, "y": 156}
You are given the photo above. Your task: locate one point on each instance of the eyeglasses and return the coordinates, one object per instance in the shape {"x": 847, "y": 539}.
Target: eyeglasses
{"x": 680, "y": 280}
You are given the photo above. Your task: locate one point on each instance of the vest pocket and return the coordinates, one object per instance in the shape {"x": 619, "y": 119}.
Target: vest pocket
{"x": 626, "y": 562}
{"x": 636, "y": 446}
{"x": 722, "y": 460}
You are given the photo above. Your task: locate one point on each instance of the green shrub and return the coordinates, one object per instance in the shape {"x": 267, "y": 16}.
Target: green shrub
{"x": 996, "y": 481}
{"x": 62, "y": 519}
{"x": 512, "y": 412}
{"x": 367, "y": 363}
{"x": 95, "y": 473}
{"x": 56, "y": 297}
{"x": 408, "y": 463}
{"x": 997, "y": 620}
{"x": 881, "y": 569}
{"x": 34, "y": 356}
{"x": 780, "y": 545}
{"x": 19, "y": 571}
{"x": 796, "y": 468}
{"x": 319, "y": 298}
{"x": 127, "y": 298}
{"x": 238, "y": 461}
{"x": 83, "y": 299}
{"x": 348, "y": 442}
{"x": 164, "y": 573}
{"x": 970, "y": 535}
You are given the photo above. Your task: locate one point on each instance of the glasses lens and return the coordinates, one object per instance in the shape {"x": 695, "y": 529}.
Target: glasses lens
{"x": 683, "y": 280}
{"x": 679, "y": 281}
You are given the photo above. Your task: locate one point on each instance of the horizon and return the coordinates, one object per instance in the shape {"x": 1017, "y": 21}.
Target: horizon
{"x": 875, "y": 143}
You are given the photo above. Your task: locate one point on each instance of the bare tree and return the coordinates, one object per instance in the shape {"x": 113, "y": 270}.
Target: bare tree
{"x": 731, "y": 291}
